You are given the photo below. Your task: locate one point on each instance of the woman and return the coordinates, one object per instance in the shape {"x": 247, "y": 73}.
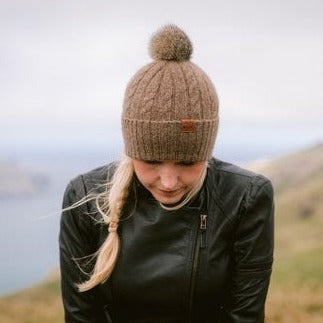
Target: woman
{"x": 169, "y": 234}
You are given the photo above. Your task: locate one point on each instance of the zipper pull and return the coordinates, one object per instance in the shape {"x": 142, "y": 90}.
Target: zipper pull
{"x": 202, "y": 229}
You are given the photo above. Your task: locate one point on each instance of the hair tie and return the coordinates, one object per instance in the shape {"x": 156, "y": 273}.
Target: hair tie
{"x": 113, "y": 226}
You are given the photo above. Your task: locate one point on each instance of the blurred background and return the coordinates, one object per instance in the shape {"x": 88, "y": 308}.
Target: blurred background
{"x": 64, "y": 66}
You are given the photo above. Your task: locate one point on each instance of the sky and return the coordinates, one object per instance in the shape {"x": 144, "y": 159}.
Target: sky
{"x": 64, "y": 66}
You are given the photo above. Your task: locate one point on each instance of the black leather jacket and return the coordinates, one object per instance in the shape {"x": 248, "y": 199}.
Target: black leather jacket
{"x": 209, "y": 261}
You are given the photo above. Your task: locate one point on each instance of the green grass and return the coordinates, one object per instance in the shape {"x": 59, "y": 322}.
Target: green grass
{"x": 299, "y": 268}
{"x": 41, "y": 303}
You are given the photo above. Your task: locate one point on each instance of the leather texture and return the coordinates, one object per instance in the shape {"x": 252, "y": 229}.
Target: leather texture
{"x": 209, "y": 261}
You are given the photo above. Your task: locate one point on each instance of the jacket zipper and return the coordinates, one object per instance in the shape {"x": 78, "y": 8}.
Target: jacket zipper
{"x": 199, "y": 244}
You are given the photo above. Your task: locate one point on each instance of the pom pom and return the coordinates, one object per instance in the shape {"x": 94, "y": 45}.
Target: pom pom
{"x": 170, "y": 43}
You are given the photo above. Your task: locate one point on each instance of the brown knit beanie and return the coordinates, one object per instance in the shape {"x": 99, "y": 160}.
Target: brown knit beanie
{"x": 170, "y": 109}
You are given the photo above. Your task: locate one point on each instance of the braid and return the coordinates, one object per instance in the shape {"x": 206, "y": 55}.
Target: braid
{"x": 108, "y": 252}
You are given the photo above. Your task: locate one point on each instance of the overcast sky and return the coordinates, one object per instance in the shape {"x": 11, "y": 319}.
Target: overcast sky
{"x": 64, "y": 66}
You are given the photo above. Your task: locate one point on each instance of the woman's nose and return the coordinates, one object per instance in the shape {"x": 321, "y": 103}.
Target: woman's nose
{"x": 168, "y": 177}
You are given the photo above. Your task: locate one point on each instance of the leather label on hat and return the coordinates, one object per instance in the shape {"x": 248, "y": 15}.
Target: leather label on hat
{"x": 188, "y": 125}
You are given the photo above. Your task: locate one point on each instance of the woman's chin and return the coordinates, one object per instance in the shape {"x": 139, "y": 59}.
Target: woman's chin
{"x": 168, "y": 199}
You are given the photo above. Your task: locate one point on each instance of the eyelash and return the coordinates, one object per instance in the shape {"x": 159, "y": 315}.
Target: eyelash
{"x": 182, "y": 163}
{"x": 185, "y": 164}
{"x": 152, "y": 162}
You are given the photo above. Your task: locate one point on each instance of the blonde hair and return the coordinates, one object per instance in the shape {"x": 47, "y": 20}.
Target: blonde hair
{"x": 109, "y": 204}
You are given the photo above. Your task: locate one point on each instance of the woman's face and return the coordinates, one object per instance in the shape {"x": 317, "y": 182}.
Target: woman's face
{"x": 168, "y": 181}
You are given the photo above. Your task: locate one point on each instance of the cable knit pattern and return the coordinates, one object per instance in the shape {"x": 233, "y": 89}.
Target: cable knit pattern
{"x": 165, "y": 94}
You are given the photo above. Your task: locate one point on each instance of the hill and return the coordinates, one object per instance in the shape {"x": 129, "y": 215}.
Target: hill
{"x": 15, "y": 181}
{"x": 292, "y": 169}
{"x": 296, "y": 291}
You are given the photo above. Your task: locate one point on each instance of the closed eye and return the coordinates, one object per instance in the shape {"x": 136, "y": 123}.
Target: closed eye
{"x": 185, "y": 163}
{"x": 152, "y": 162}
{"x": 180, "y": 163}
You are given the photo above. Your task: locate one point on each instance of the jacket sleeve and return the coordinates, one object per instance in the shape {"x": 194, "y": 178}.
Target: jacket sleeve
{"x": 75, "y": 242}
{"x": 253, "y": 255}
